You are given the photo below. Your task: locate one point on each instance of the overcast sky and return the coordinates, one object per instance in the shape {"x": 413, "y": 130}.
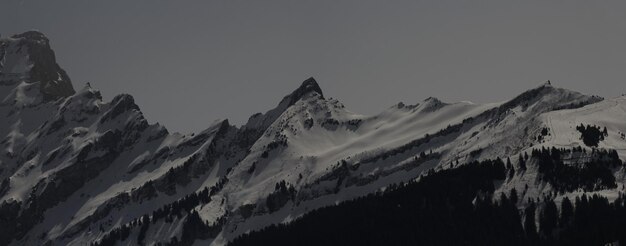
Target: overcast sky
{"x": 188, "y": 63}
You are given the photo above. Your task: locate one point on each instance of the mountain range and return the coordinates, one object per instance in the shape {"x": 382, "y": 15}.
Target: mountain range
{"x": 78, "y": 170}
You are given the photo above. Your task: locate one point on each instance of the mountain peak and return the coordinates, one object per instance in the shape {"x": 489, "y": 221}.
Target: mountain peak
{"x": 28, "y": 57}
{"x": 262, "y": 121}
{"x": 310, "y": 82}
{"x": 309, "y": 85}
{"x": 433, "y": 99}
{"x": 432, "y": 104}
{"x": 33, "y": 35}
{"x": 546, "y": 84}
{"x": 548, "y": 98}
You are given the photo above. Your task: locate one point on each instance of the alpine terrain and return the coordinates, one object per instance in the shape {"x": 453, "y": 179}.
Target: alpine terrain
{"x": 542, "y": 168}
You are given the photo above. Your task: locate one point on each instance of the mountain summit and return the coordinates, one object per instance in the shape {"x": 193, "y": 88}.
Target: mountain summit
{"x": 309, "y": 85}
{"x": 28, "y": 57}
{"x": 261, "y": 121}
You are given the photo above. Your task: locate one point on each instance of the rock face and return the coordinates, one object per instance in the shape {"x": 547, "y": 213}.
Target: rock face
{"x": 28, "y": 56}
{"x": 309, "y": 85}
{"x": 259, "y": 122}
{"x": 76, "y": 170}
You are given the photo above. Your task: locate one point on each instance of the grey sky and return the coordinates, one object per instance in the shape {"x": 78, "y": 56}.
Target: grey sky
{"x": 188, "y": 63}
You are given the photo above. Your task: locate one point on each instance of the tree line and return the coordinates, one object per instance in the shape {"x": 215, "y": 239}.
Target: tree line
{"x": 455, "y": 207}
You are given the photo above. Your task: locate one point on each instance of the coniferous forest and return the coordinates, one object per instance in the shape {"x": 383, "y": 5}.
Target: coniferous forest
{"x": 458, "y": 207}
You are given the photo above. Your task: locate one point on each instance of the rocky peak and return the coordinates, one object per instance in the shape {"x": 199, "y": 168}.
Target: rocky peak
{"x": 28, "y": 57}
{"x": 260, "y": 122}
{"x": 308, "y": 86}
{"x": 32, "y": 35}
{"x": 432, "y": 104}
{"x": 432, "y": 100}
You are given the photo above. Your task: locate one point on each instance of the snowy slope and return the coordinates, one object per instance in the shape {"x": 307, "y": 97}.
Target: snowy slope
{"x": 77, "y": 170}
{"x": 378, "y": 150}
{"x": 561, "y": 124}
{"x": 608, "y": 113}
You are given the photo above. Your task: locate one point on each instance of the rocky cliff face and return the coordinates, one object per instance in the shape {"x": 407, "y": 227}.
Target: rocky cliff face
{"x": 28, "y": 57}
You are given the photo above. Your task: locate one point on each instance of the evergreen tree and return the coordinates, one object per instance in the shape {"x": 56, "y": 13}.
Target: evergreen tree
{"x": 548, "y": 218}
{"x": 145, "y": 223}
{"x": 522, "y": 162}
{"x": 566, "y": 212}
{"x": 529, "y": 221}
{"x": 513, "y": 196}
{"x": 510, "y": 167}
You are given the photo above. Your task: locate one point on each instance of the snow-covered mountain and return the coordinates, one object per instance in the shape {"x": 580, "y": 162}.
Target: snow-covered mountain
{"x": 77, "y": 170}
